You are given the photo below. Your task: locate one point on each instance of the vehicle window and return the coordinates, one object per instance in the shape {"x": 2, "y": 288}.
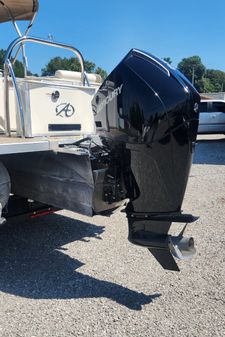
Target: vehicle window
{"x": 203, "y": 107}
{"x": 218, "y": 107}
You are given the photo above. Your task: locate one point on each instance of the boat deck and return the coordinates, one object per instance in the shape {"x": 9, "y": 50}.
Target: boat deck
{"x": 13, "y": 144}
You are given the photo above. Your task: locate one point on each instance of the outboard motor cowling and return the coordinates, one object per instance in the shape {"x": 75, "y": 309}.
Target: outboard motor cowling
{"x": 146, "y": 114}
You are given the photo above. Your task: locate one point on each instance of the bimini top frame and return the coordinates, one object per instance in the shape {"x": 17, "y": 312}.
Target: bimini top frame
{"x": 14, "y": 10}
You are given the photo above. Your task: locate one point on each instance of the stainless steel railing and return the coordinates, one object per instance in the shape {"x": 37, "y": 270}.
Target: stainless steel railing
{"x": 8, "y": 70}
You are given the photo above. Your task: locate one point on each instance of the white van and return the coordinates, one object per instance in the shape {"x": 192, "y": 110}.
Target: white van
{"x": 212, "y": 116}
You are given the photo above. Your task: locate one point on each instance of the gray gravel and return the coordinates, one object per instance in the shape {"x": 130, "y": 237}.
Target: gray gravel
{"x": 69, "y": 275}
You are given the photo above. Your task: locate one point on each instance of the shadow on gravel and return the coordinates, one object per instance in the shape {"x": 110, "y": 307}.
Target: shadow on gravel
{"x": 210, "y": 151}
{"x": 33, "y": 265}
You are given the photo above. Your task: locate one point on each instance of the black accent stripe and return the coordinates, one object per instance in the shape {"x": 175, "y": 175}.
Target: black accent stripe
{"x": 64, "y": 127}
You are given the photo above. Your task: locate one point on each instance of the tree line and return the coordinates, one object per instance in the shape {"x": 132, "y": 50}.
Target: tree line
{"x": 54, "y": 64}
{"x": 205, "y": 80}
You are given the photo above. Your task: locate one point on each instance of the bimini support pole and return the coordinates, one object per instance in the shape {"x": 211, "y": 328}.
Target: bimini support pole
{"x": 25, "y": 63}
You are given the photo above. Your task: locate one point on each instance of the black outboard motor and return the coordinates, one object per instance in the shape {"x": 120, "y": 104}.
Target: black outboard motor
{"x": 146, "y": 114}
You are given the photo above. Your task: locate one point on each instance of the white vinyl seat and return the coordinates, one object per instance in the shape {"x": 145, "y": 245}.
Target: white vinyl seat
{"x": 76, "y": 76}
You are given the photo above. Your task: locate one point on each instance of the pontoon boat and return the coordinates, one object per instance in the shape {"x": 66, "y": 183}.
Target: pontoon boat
{"x": 71, "y": 141}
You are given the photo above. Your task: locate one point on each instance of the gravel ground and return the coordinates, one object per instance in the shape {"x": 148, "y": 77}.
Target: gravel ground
{"x": 69, "y": 275}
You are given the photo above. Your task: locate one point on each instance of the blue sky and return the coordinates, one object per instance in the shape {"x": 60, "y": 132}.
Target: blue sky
{"x": 105, "y": 31}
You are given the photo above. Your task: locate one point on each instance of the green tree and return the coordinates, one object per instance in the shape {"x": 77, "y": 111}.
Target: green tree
{"x": 192, "y": 67}
{"x": 168, "y": 60}
{"x": 89, "y": 66}
{"x": 59, "y": 63}
{"x": 18, "y": 66}
{"x": 2, "y": 55}
{"x": 101, "y": 72}
{"x": 204, "y": 85}
{"x": 217, "y": 78}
